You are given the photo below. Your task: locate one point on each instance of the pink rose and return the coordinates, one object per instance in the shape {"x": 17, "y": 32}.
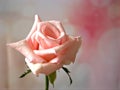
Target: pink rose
{"x": 47, "y": 47}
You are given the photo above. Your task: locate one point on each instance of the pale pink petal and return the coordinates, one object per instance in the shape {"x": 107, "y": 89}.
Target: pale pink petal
{"x": 50, "y": 31}
{"x": 72, "y": 50}
{"x": 23, "y": 47}
{"x": 58, "y": 60}
{"x": 43, "y": 68}
{"x": 44, "y": 52}
{"x": 33, "y": 67}
{"x": 60, "y": 48}
{"x": 34, "y": 27}
{"x": 32, "y": 42}
{"x": 68, "y": 54}
{"x": 31, "y": 36}
{"x": 45, "y": 41}
{"x": 58, "y": 25}
{"x": 62, "y": 36}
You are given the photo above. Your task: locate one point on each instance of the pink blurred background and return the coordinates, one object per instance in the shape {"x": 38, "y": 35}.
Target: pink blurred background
{"x": 97, "y": 65}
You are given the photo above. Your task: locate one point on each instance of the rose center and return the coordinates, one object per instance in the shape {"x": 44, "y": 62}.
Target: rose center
{"x": 51, "y": 31}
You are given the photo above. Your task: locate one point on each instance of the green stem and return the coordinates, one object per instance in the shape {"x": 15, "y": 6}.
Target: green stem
{"x": 46, "y": 83}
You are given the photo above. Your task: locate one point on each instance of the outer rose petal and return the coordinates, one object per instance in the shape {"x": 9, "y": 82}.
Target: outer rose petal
{"x": 45, "y": 68}
{"x": 31, "y": 36}
{"x": 34, "y": 27}
{"x": 23, "y": 47}
{"x": 68, "y": 54}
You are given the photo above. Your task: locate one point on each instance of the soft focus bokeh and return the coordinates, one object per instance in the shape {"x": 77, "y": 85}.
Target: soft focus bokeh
{"x": 97, "y": 65}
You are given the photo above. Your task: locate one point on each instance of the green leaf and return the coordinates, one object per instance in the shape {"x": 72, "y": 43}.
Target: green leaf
{"x": 52, "y": 77}
{"x": 25, "y": 73}
{"x": 68, "y": 73}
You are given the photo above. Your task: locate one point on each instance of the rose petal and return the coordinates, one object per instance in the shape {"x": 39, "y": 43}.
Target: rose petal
{"x": 68, "y": 54}
{"x": 45, "y": 68}
{"x": 23, "y": 47}
{"x": 44, "y": 52}
{"x": 31, "y": 36}
{"x": 50, "y": 31}
{"x": 33, "y": 43}
{"x": 57, "y": 60}
{"x": 72, "y": 50}
{"x": 34, "y": 27}
{"x": 62, "y": 36}
{"x": 60, "y": 48}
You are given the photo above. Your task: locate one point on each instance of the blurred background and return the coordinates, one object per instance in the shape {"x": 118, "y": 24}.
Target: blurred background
{"x": 97, "y": 65}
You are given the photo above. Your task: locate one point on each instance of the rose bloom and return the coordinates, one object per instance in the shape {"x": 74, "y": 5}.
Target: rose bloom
{"x": 47, "y": 47}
